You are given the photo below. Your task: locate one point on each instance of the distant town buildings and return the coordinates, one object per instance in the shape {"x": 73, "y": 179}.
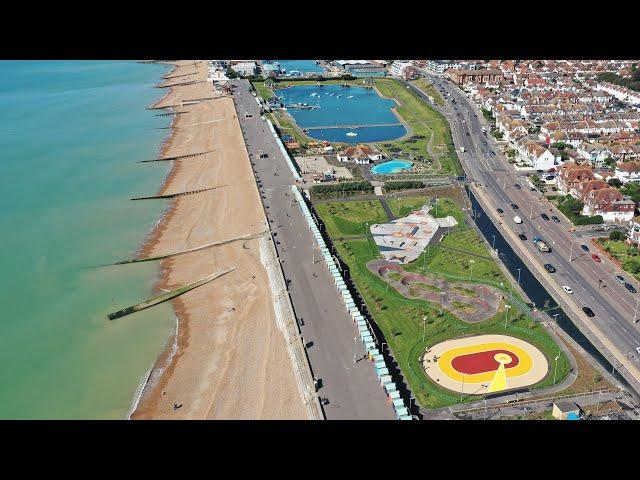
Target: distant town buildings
{"x": 438, "y": 67}
{"x": 362, "y": 68}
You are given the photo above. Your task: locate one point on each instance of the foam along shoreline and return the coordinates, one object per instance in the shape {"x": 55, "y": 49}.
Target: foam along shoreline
{"x": 227, "y": 357}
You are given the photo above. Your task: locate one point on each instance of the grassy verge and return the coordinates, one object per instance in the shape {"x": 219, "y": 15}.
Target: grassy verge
{"x": 400, "y": 318}
{"x": 627, "y": 255}
{"x": 262, "y": 90}
{"x": 424, "y": 121}
{"x": 429, "y": 89}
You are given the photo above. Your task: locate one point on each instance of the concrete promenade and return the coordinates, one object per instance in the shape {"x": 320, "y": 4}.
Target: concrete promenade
{"x": 352, "y": 389}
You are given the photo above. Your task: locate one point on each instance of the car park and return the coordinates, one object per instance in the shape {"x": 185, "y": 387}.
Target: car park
{"x": 555, "y": 219}
{"x": 549, "y": 268}
{"x": 630, "y": 287}
{"x": 584, "y": 247}
{"x": 588, "y": 312}
{"x": 596, "y": 257}
{"x": 567, "y": 289}
{"x": 522, "y": 236}
{"x": 545, "y": 216}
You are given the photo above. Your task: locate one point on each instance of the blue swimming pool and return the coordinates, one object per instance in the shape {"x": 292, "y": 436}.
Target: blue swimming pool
{"x": 392, "y": 166}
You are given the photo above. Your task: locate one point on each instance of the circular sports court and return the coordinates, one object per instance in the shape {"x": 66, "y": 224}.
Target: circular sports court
{"x": 485, "y": 364}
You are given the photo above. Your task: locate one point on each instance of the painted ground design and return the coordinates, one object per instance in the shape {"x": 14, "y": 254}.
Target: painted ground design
{"x": 485, "y": 364}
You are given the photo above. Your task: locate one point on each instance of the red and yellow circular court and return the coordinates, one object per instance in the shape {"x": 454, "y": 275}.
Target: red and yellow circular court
{"x": 485, "y": 364}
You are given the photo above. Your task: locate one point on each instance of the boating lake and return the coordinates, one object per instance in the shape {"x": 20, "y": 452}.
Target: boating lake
{"x": 343, "y": 111}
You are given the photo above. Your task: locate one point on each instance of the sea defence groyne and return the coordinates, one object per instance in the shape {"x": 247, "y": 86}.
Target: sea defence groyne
{"x": 179, "y": 194}
{"x": 195, "y": 249}
{"x": 168, "y": 295}
{"x": 177, "y": 157}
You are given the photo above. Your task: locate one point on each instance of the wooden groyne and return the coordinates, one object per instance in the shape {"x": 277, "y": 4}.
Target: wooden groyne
{"x": 167, "y": 296}
{"x": 193, "y": 82}
{"x": 178, "y": 157}
{"x": 184, "y": 103}
{"x": 219, "y": 243}
{"x": 180, "y": 194}
{"x": 181, "y": 75}
{"x": 169, "y": 113}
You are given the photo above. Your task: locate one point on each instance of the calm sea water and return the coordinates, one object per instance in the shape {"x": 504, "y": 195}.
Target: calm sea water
{"x": 343, "y": 106}
{"x": 70, "y": 136}
{"x": 302, "y": 66}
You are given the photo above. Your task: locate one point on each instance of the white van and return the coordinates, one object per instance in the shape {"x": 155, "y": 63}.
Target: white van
{"x": 517, "y": 219}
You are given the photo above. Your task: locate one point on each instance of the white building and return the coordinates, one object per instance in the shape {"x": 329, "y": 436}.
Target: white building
{"x": 245, "y": 69}
{"x": 628, "y": 172}
{"x": 439, "y": 66}
{"x": 398, "y": 68}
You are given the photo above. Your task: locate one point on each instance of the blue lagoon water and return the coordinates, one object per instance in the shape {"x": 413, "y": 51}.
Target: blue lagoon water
{"x": 392, "y": 166}
{"x": 340, "y": 110}
{"x": 70, "y": 138}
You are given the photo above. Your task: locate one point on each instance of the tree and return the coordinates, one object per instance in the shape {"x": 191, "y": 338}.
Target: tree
{"x": 610, "y": 162}
{"x": 614, "y": 182}
{"x": 616, "y": 235}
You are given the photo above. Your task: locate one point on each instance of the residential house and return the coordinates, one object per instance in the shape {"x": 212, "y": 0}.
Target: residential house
{"x": 594, "y": 153}
{"x": 609, "y": 203}
{"x": 571, "y": 175}
{"x": 628, "y": 172}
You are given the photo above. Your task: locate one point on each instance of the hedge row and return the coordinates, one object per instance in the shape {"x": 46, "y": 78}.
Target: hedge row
{"x": 403, "y": 185}
{"x": 339, "y": 189}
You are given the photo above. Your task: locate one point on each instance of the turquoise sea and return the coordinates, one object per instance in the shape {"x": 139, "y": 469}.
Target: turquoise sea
{"x": 70, "y": 135}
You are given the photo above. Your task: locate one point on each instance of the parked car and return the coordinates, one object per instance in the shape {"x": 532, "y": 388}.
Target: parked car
{"x": 522, "y": 236}
{"x": 545, "y": 216}
{"x": 555, "y": 219}
{"x": 588, "y": 311}
{"x": 567, "y": 289}
{"x": 514, "y": 206}
{"x": 596, "y": 257}
{"x": 630, "y": 287}
{"x": 620, "y": 279}
{"x": 549, "y": 268}
{"x": 584, "y": 247}
{"x": 517, "y": 185}
{"x": 500, "y": 210}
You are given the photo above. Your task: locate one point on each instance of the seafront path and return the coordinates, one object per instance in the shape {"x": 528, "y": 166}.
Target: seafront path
{"x": 353, "y": 390}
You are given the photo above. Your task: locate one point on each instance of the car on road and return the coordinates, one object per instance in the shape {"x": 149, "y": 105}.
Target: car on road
{"x": 620, "y": 279}
{"x": 584, "y": 247}
{"x": 567, "y": 289}
{"x": 484, "y": 143}
{"x": 596, "y": 257}
{"x": 638, "y": 350}
{"x": 522, "y": 236}
{"x": 499, "y": 210}
{"x": 517, "y": 185}
{"x": 588, "y": 312}
{"x": 629, "y": 287}
{"x": 545, "y": 216}
{"x": 514, "y": 206}
{"x": 493, "y": 153}
{"x": 468, "y": 134}
{"x": 555, "y": 219}
{"x": 549, "y": 268}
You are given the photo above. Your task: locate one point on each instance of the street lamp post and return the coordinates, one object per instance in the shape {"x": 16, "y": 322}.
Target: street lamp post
{"x": 471, "y": 276}
{"x": 506, "y": 316}
{"x": 442, "y": 294}
{"x": 519, "y": 275}
{"x": 354, "y": 349}
{"x": 555, "y": 370}
{"x": 493, "y": 244}
{"x": 635, "y": 314}
{"x": 424, "y": 327}
{"x": 571, "y": 251}
{"x": 555, "y": 318}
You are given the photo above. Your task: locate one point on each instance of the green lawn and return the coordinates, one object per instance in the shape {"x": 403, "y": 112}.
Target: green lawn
{"x": 423, "y": 121}
{"x": 262, "y": 90}
{"x": 403, "y": 206}
{"x": 348, "y": 218}
{"x": 400, "y": 318}
{"x": 429, "y": 89}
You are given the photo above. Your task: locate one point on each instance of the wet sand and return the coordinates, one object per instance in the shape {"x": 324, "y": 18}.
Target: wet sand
{"x": 231, "y": 361}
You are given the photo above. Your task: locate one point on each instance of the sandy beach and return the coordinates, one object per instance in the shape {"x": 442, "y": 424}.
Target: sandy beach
{"x": 229, "y": 360}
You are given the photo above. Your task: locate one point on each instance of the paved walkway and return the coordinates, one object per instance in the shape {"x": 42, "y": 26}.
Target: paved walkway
{"x": 352, "y": 389}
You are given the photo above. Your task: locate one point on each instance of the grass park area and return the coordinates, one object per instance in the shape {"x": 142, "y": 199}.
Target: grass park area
{"x": 344, "y": 219}
{"x": 424, "y": 85}
{"x": 400, "y": 318}
{"x": 424, "y": 122}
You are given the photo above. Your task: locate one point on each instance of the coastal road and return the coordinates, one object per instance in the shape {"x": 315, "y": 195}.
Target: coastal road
{"x": 593, "y": 283}
{"x": 352, "y": 388}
